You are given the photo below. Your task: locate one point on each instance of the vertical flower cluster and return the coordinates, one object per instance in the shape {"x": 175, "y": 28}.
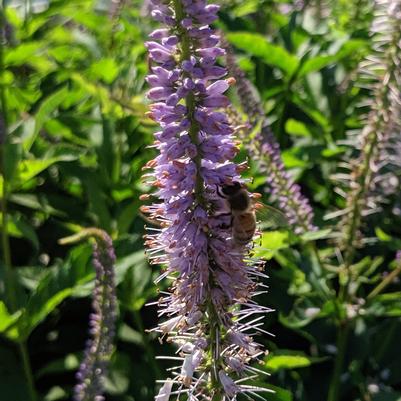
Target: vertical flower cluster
{"x": 374, "y": 172}
{"x": 209, "y": 312}
{"x": 100, "y": 347}
{"x": 264, "y": 148}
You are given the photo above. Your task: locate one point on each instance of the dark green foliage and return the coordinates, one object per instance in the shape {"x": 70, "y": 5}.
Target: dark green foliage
{"x": 73, "y": 101}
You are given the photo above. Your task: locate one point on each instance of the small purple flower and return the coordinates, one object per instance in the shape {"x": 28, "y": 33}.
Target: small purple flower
{"x": 196, "y": 148}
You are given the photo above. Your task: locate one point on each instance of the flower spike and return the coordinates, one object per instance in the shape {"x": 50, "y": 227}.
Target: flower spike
{"x": 264, "y": 148}
{"x": 210, "y": 273}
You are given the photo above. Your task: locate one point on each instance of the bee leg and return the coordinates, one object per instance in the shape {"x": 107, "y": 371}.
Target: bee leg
{"x": 218, "y": 191}
{"x": 225, "y": 226}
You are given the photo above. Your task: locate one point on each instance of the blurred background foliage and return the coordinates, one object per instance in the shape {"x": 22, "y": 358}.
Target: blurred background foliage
{"x": 73, "y": 100}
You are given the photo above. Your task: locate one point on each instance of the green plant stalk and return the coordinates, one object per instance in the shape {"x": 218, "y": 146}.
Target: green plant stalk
{"x": 365, "y": 174}
{"x": 9, "y": 277}
{"x": 214, "y": 351}
{"x": 363, "y": 179}
{"x": 190, "y": 103}
{"x": 342, "y": 338}
{"x": 214, "y": 328}
{"x": 23, "y": 350}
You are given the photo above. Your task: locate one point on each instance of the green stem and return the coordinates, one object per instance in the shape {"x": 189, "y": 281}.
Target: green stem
{"x": 27, "y": 370}
{"x": 214, "y": 352}
{"x": 9, "y": 276}
{"x": 190, "y": 103}
{"x": 214, "y": 326}
{"x": 378, "y": 124}
{"x": 342, "y": 338}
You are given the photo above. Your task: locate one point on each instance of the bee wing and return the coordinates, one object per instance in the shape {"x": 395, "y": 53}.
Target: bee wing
{"x": 270, "y": 217}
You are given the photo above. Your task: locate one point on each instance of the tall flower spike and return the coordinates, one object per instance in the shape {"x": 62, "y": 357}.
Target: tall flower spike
{"x": 209, "y": 312}
{"x": 378, "y": 163}
{"x": 99, "y": 347}
{"x": 264, "y": 148}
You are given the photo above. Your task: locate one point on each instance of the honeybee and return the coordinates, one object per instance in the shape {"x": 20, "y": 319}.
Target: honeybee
{"x": 243, "y": 212}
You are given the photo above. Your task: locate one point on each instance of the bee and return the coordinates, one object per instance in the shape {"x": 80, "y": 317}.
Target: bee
{"x": 243, "y": 212}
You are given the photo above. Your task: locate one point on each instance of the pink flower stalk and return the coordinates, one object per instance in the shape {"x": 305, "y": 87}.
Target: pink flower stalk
{"x": 209, "y": 312}
{"x": 264, "y": 149}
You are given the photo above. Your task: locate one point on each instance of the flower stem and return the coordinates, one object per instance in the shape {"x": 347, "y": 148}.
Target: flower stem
{"x": 342, "y": 338}
{"x": 190, "y": 102}
{"x": 378, "y": 127}
{"x": 214, "y": 352}
{"x": 214, "y": 329}
{"x": 27, "y": 370}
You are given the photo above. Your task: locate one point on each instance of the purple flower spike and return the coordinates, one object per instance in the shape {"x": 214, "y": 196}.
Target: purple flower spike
{"x": 265, "y": 149}
{"x": 99, "y": 348}
{"x": 209, "y": 309}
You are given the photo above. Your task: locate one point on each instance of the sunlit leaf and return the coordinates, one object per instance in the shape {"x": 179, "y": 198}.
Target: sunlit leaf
{"x": 259, "y": 46}
{"x": 47, "y": 107}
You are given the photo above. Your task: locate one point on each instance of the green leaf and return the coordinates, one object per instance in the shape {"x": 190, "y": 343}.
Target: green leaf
{"x": 272, "y": 393}
{"x": 271, "y": 242}
{"x": 65, "y": 364}
{"x": 305, "y": 311}
{"x": 44, "y": 113}
{"x": 55, "y": 287}
{"x": 383, "y": 236}
{"x": 44, "y": 300}
{"x": 105, "y": 69}
{"x": 257, "y": 45}
{"x": 128, "y": 334}
{"x": 245, "y": 8}
{"x": 388, "y": 304}
{"x": 26, "y": 230}
{"x": 28, "y": 169}
{"x": 287, "y": 359}
{"x": 11, "y": 160}
{"x": 56, "y": 393}
{"x": 315, "y": 235}
{"x": 22, "y": 54}
{"x": 6, "y": 319}
{"x": 321, "y": 61}
{"x": 279, "y": 394}
{"x": 117, "y": 381}
{"x": 297, "y": 128}
{"x": 333, "y": 150}
{"x": 387, "y": 396}
{"x": 291, "y": 159}
{"x": 136, "y": 279}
